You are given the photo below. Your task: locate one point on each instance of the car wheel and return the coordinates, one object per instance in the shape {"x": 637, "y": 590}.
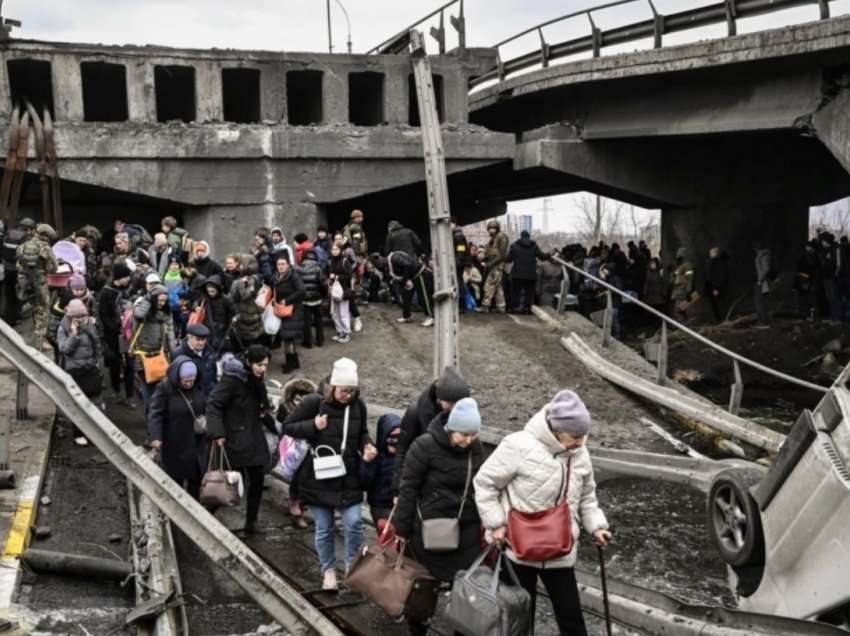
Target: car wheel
{"x": 734, "y": 521}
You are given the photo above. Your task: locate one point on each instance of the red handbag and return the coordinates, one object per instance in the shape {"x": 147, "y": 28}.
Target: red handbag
{"x": 546, "y": 534}
{"x": 199, "y": 314}
{"x": 283, "y": 310}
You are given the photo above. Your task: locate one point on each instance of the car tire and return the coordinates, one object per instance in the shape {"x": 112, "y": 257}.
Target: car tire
{"x": 734, "y": 521}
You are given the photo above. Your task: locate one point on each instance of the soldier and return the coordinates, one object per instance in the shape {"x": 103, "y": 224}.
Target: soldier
{"x": 356, "y": 236}
{"x": 682, "y": 294}
{"x": 497, "y": 250}
{"x": 11, "y": 242}
{"x": 35, "y": 261}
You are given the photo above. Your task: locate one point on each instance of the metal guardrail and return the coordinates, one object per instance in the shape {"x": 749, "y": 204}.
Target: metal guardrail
{"x": 728, "y": 11}
{"x": 400, "y": 42}
{"x": 275, "y": 596}
{"x": 737, "y": 359}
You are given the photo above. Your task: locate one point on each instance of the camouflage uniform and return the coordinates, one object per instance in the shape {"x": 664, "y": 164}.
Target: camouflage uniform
{"x": 356, "y": 236}
{"x": 497, "y": 250}
{"x": 35, "y": 261}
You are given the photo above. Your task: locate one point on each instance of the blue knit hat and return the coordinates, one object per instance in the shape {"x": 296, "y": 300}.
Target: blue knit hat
{"x": 464, "y": 417}
{"x": 187, "y": 370}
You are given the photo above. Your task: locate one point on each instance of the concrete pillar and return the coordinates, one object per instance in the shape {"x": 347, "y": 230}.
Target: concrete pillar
{"x": 230, "y": 228}
{"x": 208, "y": 92}
{"x": 272, "y": 93}
{"x": 67, "y": 88}
{"x": 141, "y": 92}
{"x": 5, "y": 94}
{"x": 335, "y": 94}
{"x": 395, "y": 95}
{"x": 782, "y": 229}
{"x": 832, "y": 126}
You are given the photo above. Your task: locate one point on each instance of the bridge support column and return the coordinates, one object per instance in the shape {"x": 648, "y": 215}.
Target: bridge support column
{"x": 230, "y": 228}
{"x": 783, "y": 229}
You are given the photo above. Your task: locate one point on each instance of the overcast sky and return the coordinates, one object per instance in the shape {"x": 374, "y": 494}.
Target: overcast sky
{"x": 300, "y": 25}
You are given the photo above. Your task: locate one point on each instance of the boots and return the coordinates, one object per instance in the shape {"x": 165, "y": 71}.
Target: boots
{"x": 292, "y": 363}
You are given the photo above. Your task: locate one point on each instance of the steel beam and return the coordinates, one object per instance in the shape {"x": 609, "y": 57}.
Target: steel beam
{"x": 283, "y": 602}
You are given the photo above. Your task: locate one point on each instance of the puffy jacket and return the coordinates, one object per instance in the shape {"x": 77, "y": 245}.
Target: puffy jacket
{"x": 157, "y": 330}
{"x": 524, "y": 254}
{"x": 207, "y": 267}
{"x": 290, "y": 288}
{"x": 402, "y": 239}
{"x": 312, "y": 276}
{"x": 654, "y": 288}
{"x": 219, "y": 312}
{"x": 377, "y": 476}
{"x": 415, "y": 422}
{"x": 171, "y": 421}
{"x": 110, "y": 307}
{"x": 342, "y": 491}
{"x": 80, "y": 352}
{"x": 432, "y": 486}
{"x": 235, "y": 411}
{"x": 529, "y": 467}
{"x": 243, "y": 294}
{"x": 402, "y": 266}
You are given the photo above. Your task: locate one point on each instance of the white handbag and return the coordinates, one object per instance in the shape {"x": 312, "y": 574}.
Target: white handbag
{"x": 331, "y": 466}
{"x": 337, "y": 292}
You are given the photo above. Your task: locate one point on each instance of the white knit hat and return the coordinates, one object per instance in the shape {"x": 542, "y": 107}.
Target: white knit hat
{"x": 344, "y": 373}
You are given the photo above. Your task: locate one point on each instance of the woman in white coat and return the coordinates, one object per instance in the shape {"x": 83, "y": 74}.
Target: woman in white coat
{"x": 527, "y": 472}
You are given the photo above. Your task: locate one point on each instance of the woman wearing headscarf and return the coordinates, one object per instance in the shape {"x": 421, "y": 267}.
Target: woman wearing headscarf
{"x": 236, "y": 411}
{"x": 321, "y": 419}
{"x": 289, "y": 290}
{"x": 177, "y": 405}
{"x": 532, "y": 471}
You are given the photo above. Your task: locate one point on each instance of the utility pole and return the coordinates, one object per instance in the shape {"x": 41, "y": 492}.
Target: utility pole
{"x": 330, "y": 37}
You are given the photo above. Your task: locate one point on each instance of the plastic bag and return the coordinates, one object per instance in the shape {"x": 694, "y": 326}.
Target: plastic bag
{"x": 271, "y": 323}
{"x": 292, "y": 454}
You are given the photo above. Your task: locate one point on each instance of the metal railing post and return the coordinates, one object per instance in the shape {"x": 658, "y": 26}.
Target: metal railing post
{"x": 544, "y": 49}
{"x": 824, "y": 9}
{"x": 565, "y": 288}
{"x": 661, "y": 377}
{"x": 459, "y": 24}
{"x": 731, "y": 14}
{"x": 595, "y": 35}
{"x": 658, "y": 21}
{"x": 607, "y": 318}
{"x": 737, "y": 392}
{"x": 439, "y": 34}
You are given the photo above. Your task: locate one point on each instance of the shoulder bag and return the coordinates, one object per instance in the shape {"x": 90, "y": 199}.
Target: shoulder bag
{"x": 199, "y": 422}
{"x": 482, "y": 605}
{"x": 331, "y": 466}
{"x": 199, "y": 314}
{"x": 546, "y": 534}
{"x": 443, "y": 534}
{"x": 155, "y": 365}
{"x": 283, "y": 310}
{"x": 217, "y": 489}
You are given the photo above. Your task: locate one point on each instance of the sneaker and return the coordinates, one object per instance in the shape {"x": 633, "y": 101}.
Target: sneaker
{"x": 344, "y": 339}
{"x": 81, "y": 441}
{"x": 336, "y": 338}
{"x": 483, "y": 309}
{"x": 428, "y": 322}
{"x": 358, "y": 325}
{"x": 329, "y": 581}
{"x": 403, "y": 319}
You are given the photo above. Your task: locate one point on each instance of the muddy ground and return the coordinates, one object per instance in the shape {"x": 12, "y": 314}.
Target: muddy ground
{"x": 514, "y": 365}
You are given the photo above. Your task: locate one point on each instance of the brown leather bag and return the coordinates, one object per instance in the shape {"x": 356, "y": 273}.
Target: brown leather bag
{"x": 398, "y": 585}
{"x": 216, "y": 490}
{"x": 546, "y": 534}
{"x": 283, "y": 310}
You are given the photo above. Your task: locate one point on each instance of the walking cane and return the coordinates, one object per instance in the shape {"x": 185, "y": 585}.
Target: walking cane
{"x": 604, "y": 589}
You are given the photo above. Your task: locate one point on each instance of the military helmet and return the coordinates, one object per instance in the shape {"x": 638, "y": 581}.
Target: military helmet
{"x": 494, "y": 224}
{"x": 43, "y": 229}
{"x": 27, "y": 223}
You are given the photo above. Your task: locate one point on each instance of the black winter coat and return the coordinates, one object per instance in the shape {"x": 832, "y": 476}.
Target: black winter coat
{"x": 432, "y": 485}
{"x": 291, "y": 290}
{"x": 313, "y": 278}
{"x": 718, "y": 275}
{"x": 402, "y": 239}
{"x": 219, "y": 312}
{"x": 414, "y": 423}
{"x": 342, "y": 491}
{"x": 235, "y": 411}
{"x": 208, "y": 267}
{"x": 206, "y": 363}
{"x": 183, "y": 453}
{"x": 461, "y": 247}
{"x": 377, "y": 476}
{"x": 524, "y": 254}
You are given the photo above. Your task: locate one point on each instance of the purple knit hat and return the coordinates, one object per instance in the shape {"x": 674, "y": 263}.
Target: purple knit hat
{"x": 568, "y": 414}
{"x": 76, "y": 309}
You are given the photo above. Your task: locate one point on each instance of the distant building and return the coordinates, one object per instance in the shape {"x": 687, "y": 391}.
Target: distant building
{"x": 526, "y": 223}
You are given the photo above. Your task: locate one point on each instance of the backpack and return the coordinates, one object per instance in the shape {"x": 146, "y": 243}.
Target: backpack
{"x": 13, "y": 240}
{"x": 139, "y": 236}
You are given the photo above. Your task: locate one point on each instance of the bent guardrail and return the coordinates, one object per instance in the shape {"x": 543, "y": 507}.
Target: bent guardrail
{"x": 737, "y": 359}
{"x": 400, "y": 42}
{"x": 275, "y": 596}
{"x": 728, "y": 11}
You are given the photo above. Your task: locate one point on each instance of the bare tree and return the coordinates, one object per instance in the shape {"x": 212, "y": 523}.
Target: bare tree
{"x": 599, "y": 219}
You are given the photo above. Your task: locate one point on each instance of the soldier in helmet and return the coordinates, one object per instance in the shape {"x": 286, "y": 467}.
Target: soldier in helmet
{"x": 13, "y": 239}
{"x": 35, "y": 261}
{"x": 497, "y": 250}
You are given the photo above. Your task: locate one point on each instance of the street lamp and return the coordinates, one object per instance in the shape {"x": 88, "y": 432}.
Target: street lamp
{"x": 348, "y": 22}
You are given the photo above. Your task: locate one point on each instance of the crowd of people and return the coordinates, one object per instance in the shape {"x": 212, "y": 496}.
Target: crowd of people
{"x": 192, "y": 340}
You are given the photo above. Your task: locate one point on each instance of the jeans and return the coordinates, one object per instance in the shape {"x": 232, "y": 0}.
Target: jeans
{"x": 352, "y": 528}
{"x": 560, "y": 584}
{"x": 145, "y": 390}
